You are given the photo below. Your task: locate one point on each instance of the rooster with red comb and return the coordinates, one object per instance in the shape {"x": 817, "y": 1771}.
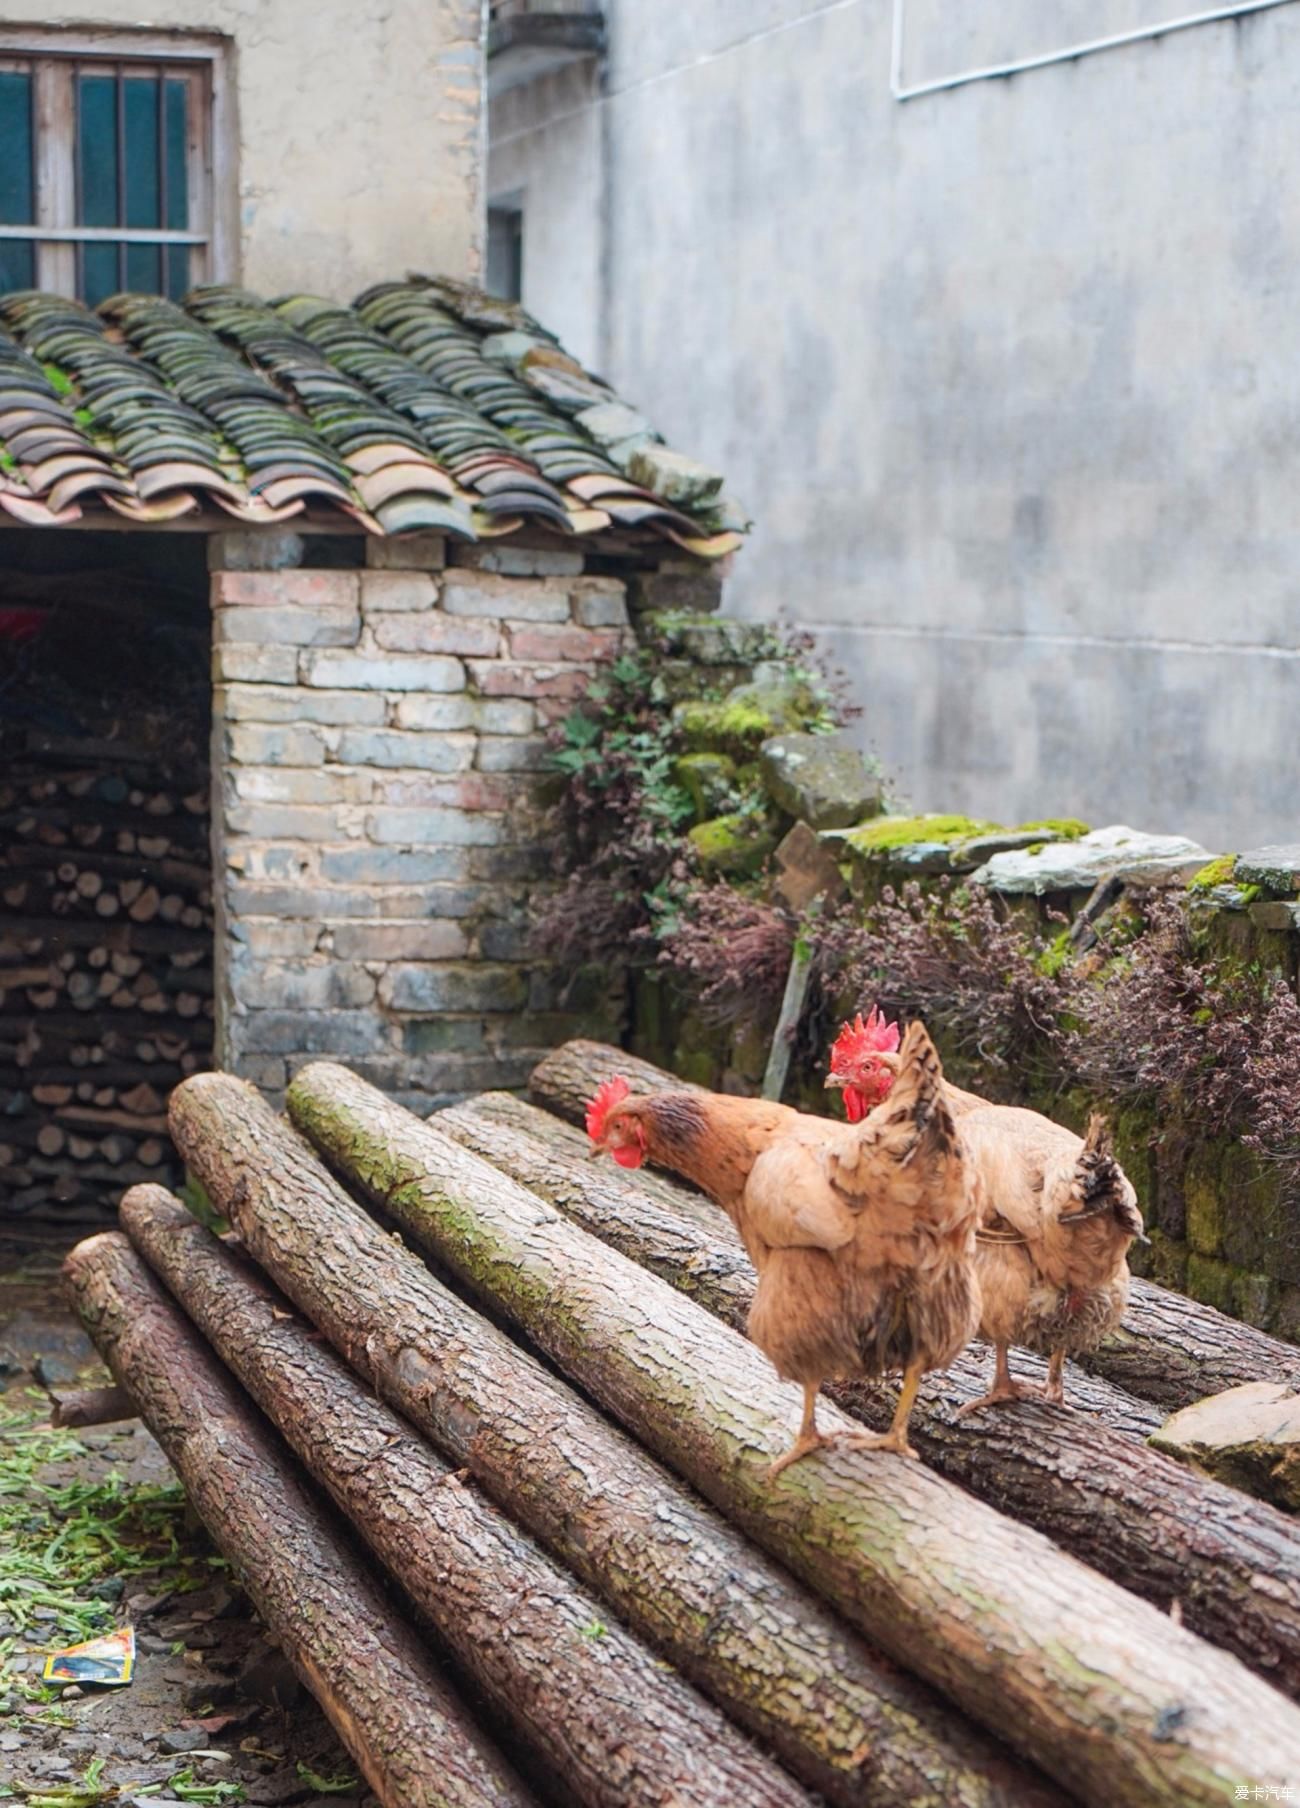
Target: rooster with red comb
{"x": 862, "y": 1235}
{"x": 1058, "y": 1216}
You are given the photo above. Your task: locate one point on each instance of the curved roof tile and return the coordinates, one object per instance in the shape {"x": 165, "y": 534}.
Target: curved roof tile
{"x": 426, "y": 406}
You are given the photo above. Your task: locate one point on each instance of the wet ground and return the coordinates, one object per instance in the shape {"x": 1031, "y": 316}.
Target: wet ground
{"x": 94, "y": 1533}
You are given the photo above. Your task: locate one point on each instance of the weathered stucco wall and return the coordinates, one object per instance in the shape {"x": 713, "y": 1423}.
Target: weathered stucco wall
{"x": 1000, "y": 372}
{"x": 360, "y": 131}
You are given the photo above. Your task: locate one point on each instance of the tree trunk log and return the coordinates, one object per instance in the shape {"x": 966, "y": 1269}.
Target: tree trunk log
{"x": 411, "y": 1737}
{"x": 766, "y": 1650}
{"x": 611, "y": 1723}
{"x": 1162, "y": 1530}
{"x": 91, "y": 1406}
{"x": 983, "y": 1608}
{"x": 1169, "y": 1349}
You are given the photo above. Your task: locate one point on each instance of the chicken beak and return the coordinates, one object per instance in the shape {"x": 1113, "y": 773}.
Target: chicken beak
{"x": 1141, "y": 1237}
{"x": 835, "y": 1082}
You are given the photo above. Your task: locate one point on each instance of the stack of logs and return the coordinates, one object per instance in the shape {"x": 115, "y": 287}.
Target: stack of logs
{"x": 105, "y": 965}
{"x": 1045, "y": 1610}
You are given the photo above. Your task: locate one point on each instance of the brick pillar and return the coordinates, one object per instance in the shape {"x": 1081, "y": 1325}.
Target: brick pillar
{"x": 376, "y": 739}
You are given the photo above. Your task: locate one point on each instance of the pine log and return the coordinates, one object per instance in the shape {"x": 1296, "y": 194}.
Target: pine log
{"x": 592, "y": 1703}
{"x": 986, "y": 1609}
{"x": 382, "y": 1693}
{"x": 735, "y": 1624}
{"x": 91, "y": 1406}
{"x": 1169, "y": 1349}
{"x": 1159, "y": 1529}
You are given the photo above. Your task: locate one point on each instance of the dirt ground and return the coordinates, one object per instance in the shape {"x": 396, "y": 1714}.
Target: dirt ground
{"x": 213, "y": 1714}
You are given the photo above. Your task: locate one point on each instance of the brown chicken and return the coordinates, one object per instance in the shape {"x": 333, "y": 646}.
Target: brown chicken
{"x": 863, "y": 1236}
{"x": 1058, "y": 1216}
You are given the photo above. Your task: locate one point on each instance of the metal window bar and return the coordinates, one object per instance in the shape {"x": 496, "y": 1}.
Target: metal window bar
{"x": 120, "y": 121}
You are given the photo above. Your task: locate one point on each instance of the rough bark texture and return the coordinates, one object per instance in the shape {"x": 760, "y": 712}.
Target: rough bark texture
{"x": 1159, "y": 1529}
{"x": 765, "y": 1649}
{"x": 1169, "y": 1349}
{"x": 602, "y": 1714}
{"x": 91, "y": 1406}
{"x": 1096, "y": 1686}
{"x": 416, "y": 1746}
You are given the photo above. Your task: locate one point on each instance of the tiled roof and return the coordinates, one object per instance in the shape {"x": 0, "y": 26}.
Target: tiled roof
{"x": 425, "y": 406}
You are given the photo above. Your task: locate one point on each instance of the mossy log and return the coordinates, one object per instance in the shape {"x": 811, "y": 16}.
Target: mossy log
{"x": 1169, "y": 1349}
{"x": 1156, "y": 1527}
{"x": 414, "y": 1743}
{"x": 609, "y": 1722}
{"x": 841, "y": 1717}
{"x": 1097, "y": 1687}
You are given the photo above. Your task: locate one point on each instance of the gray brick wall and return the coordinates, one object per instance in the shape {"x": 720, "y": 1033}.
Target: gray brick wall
{"x": 377, "y": 736}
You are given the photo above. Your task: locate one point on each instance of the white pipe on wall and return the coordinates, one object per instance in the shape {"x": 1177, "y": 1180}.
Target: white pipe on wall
{"x": 1115, "y": 42}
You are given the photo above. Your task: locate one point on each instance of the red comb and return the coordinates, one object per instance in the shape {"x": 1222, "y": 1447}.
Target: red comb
{"x": 859, "y": 1040}
{"x": 608, "y": 1094}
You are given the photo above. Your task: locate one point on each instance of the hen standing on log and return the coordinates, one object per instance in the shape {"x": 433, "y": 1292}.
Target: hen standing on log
{"x": 863, "y": 1237}
{"x": 1058, "y": 1218}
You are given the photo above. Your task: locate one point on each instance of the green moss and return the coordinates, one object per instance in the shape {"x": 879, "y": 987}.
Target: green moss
{"x": 1217, "y": 872}
{"x": 708, "y": 779}
{"x": 1204, "y": 1197}
{"x": 1210, "y": 1281}
{"x": 705, "y": 726}
{"x": 1055, "y": 955}
{"x": 887, "y": 832}
{"x": 1064, "y": 828}
{"x": 59, "y": 379}
{"x": 736, "y": 844}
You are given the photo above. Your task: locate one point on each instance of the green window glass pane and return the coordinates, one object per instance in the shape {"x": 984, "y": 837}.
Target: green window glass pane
{"x": 17, "y": 265}
{"x": 97, "y": 152}
{"x": 143, "y": 200}
{"x": 178, "y": 271}
{"x": 17, "y": 189}
{"x": 178, "y": 199}
{"x": 98, "y": 273}
{"x": 142, "y": 268}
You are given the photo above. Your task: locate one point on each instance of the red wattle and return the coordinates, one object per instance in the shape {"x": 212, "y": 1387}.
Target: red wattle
{"x": 855, "y": 1105}
{"x": 627, "y": 1156}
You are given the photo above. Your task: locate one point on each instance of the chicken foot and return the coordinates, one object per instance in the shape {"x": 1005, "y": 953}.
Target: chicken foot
{"x": 809, "y": 1438}
{"x": 895, "y": 1438}
{"x": 1005, "y": 1389}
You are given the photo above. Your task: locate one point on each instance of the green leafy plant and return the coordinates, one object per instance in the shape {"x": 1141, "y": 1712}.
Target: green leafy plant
{"x": 327, "y": 1785}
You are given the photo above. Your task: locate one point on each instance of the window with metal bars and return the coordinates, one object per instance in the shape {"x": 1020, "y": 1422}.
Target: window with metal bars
{"x": 112, "y": 156}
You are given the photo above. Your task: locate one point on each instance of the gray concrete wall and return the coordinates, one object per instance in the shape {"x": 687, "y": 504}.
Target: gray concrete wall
{"x": 360, "y": 131}
{"x": 1004, "y": 374}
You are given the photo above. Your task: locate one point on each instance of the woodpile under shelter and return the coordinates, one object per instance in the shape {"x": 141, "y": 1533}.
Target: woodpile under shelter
{"x": 398, "y": 536}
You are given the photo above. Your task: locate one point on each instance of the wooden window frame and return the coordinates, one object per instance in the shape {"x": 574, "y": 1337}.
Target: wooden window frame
{"x": 53, "y": 56}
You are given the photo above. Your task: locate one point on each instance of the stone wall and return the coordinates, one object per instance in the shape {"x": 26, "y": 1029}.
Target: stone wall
{"x": 377, "y": 737}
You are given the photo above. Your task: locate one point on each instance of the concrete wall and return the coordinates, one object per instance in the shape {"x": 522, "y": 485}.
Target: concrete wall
{"x": 360, "y": 131}
{"x": 1002, "y": 373}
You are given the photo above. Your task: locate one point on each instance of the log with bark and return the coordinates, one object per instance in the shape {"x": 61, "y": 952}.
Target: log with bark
{"x": 1169, "y": 1349}
{"x": 602, "y": 1714}
{"x": 396, "y": 1714}
{"x": 764, "y": 1648}
{"x": 84, "y": 1406}
{"x": 1162, "y": 1530}
{"x": 1026, "y": 1639}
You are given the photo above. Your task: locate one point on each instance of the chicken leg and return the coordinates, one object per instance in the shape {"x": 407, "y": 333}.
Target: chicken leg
{"x": 1004, "y": 1388}
{"x": 1054, "y": 1386}
{"x": 896, "y": 1437}
{"x": 809, "y": 1438}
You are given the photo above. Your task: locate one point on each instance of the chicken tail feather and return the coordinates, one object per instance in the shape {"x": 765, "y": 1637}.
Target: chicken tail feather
{"x": 1099, "y": 1185}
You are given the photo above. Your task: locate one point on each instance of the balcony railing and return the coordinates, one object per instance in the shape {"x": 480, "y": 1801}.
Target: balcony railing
{"x": 526, "y": 40}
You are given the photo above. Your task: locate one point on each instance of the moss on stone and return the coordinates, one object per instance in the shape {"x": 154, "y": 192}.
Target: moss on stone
{"x": 708, "y": 779}
{"x": 1063, "y": 828}
{"x": 1217, "y": 872}
{"x": 1210, "y": 1281}
{"x": 728, "y": 725}
{"x": 1203, "y": 1197}
{"x": 736, "y": 845}
{"x": 887, "y": 832}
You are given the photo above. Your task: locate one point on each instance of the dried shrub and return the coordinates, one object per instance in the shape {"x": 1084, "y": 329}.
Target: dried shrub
{"x": 991, "y": 989}
{"x": 731, "y": 952}
{"x": 1211, "y": 1041}
{"x": 620, "y": 819}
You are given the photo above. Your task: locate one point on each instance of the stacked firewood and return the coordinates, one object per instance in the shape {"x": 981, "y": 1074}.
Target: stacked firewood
{"x": 1045, "y": 1611}
{"x": 105, "y": 965}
